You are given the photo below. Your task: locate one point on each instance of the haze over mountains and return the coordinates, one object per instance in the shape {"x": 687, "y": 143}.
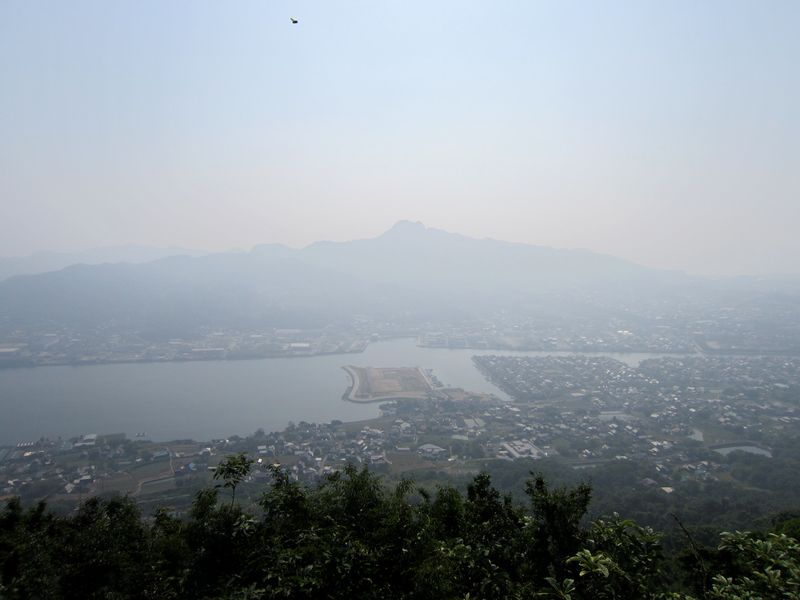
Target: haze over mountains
{"x": 43, "y": 262}
{"x": 410, "y": 269}
{"x": 413, "y": 255}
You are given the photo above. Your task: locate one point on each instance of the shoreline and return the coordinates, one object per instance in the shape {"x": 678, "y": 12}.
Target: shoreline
{"x": 32, "y": 364}
{"x": 350, "y": 394}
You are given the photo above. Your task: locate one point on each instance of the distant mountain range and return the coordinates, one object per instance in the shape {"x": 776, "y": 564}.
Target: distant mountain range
{"x": 410, "y": 270}
{"x": 43, "y": 262}
{"x": 410, "y": 254}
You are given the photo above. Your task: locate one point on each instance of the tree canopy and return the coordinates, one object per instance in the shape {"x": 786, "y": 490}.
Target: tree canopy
{"x": 352, "y": 536}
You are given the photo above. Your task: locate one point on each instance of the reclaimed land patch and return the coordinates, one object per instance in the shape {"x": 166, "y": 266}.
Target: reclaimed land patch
{"x": 372, "y": 384}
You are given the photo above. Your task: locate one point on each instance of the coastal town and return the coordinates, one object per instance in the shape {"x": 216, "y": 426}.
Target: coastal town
{"x": 672, "y": 328}
{"x": 681, "y": 415}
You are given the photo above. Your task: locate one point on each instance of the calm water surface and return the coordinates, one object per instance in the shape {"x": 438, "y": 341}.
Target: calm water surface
{"x": 204, "y": 400}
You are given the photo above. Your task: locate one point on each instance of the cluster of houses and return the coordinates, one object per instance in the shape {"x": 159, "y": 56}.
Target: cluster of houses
{"x": 585, "y": 409}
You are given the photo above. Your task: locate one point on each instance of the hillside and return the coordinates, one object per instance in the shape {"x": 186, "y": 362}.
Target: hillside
{"x": 410, "y": 269}
{"x": 353, "y": 537}
{"x": 43, "y": 262}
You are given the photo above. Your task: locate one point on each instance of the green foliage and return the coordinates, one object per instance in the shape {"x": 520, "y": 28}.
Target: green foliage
{"x": 233, "y": 470}
{"x": 791, "y": 528}
{"x": 555, "y": 526}
{"x": 767, "y": 567}
{"x": 621, "y": 560}
{"x": 351, "y": 536}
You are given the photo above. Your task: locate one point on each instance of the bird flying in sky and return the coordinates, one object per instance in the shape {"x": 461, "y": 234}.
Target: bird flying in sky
{"x": 293, "y": 20}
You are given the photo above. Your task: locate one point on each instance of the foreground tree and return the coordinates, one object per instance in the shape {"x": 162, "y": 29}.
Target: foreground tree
{"x": 232, "y": 471}
{"x": 353, "y": 537}
{"x": 764, "y": 567}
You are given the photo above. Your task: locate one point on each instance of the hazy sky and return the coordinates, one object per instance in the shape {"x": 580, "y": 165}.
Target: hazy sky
{"x": 663, "y": 132}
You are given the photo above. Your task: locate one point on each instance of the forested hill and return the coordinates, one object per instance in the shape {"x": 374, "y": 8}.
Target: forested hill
{"x": 352, "y": 537}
